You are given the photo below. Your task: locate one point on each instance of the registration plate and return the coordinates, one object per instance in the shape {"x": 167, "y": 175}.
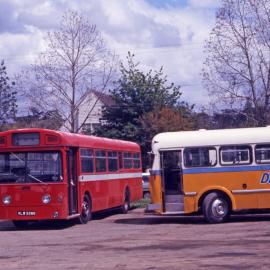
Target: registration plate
{"x": 26, "y": 213}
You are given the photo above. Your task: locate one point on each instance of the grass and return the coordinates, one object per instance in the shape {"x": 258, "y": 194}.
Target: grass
{"x": 140, "y": 204}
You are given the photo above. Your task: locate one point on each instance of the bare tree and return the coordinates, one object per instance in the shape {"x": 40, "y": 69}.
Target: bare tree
{"x": 237, "y": 68}
{"x": 75, "y": 62}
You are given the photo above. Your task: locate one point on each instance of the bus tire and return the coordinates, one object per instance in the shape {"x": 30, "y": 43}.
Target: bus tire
{"x": 215, "y": 208}
{"x": 20, "y": 224}
{"x": 86, "y": 213}
{"x": 126, "y": 205}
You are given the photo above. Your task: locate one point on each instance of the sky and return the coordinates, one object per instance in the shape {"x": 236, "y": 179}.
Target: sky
{"x": 168, "y": 33}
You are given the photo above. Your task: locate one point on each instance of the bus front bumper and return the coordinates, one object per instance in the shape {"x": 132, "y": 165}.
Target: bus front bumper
{"x": 32, "y": 213}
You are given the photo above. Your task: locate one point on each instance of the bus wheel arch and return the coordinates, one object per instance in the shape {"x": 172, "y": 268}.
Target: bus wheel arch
{"x": 126, "y": 200}
{"x": 216, "y": 206}
{"x": 86, "y": 211}
{"x": 223, "y": 192}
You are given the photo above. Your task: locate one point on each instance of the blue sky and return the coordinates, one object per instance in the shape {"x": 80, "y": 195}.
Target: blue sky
{"x": 168, "y": 33}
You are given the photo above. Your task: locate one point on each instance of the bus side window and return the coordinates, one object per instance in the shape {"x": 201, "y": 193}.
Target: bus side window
{"x": 200, "y": 157}
{"x": 136, "y": 161}
{"x": 127, "y": 160}
{"x": 235, "y": 155}
{"x": 87, "y": 160}
{"x": 100, "y": 160}
{"x": 262, "y": 153}
{"x": 112, "y": 161}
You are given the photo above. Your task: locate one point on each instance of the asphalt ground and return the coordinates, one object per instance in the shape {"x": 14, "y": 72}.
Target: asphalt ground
{"x": 138, "y": 241}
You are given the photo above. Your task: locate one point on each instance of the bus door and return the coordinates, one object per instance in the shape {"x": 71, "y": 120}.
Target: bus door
{"x": 171, "y": 167}
{"x": 72, "y": 181}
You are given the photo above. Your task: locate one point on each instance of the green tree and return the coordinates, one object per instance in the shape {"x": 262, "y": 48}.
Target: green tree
{"x": 8, "y": 106}
{"x": 165, "y": 119}
{"x": 135, "y": 95}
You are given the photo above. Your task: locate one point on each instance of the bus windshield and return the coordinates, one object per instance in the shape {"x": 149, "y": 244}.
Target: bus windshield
{"x": 30, "y": 167}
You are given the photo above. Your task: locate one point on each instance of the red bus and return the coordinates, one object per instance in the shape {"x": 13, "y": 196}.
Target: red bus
{"x": 46, "y": 174}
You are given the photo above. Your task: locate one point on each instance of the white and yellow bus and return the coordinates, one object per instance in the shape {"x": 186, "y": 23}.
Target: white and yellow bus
{"x": 213, "y": 171}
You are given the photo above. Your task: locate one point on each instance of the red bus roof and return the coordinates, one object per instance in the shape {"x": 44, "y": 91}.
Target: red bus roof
{"x": 78, "y": 140}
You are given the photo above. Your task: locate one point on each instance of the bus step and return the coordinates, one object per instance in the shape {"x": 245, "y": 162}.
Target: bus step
{"x": 174, "y": 198}
{"x": 173, "y": 213}
{"x": 174, "y": 207}
{"x": 73, "y": 216}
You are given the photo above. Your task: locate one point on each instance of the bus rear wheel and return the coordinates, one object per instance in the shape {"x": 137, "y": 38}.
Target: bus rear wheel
{"x": 20, "y": 224}
{"x": 86, "y": 213}
{"x": 126, "y": 205}
{"x": 215, "y": 208}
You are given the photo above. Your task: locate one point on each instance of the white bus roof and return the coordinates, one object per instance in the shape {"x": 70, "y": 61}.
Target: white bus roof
{"x": 204, "y": 137}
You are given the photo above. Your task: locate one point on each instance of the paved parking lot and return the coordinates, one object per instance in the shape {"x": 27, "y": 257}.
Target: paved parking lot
{"x": 138, "y": 241}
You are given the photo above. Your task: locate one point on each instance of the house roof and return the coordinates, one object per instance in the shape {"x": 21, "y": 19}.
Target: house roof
{"x": 104, "y": 98}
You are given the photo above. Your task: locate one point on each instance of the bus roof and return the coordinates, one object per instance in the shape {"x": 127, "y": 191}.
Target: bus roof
{"x": 204, "y": 137}
{"x": 79, "y": 140}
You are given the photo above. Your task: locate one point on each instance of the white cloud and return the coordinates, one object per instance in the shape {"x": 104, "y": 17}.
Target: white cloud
{"x": 171, "y": 36}
{"x": 204, "y": 3}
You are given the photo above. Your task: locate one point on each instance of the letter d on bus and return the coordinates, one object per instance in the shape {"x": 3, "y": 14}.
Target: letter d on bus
{"x": 265, "y": 178}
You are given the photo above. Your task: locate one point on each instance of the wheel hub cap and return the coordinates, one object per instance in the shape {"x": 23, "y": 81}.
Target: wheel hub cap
{"x": 85, "y": 208}
{"x": 219, "y": 208}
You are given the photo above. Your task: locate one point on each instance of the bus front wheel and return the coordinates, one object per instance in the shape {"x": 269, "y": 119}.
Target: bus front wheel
{"x": 86, "y": 213}
{"x": 215, "y": 208}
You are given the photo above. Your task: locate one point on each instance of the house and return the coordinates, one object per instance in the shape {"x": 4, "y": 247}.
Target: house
{"x": 89, "y": 113}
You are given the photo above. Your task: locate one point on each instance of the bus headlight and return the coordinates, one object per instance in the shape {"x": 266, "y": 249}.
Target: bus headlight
{"x": 46, "y": 198}
{"x": 6, "y": 199}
